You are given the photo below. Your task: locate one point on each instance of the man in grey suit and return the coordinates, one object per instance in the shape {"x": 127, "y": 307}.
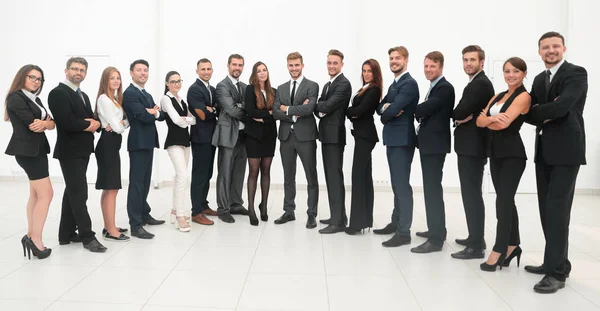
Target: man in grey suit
{"x": 331, "y": 109}
{"x": 298, "y": 135}
{"x": 229, "y": 138}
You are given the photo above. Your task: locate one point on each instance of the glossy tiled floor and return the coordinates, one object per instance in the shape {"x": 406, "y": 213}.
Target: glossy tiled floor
{"x": 269, "y": 267}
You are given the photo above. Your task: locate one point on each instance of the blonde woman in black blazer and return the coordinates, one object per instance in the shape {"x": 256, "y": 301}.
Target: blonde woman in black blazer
{"x": 29, "y": 145}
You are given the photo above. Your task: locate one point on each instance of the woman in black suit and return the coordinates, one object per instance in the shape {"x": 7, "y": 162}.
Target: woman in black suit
{"x": 363, "y": 129}
{"x": 261, "y": 135}
{"x": 29, "y": 145}
{"x": 503, "y": 117}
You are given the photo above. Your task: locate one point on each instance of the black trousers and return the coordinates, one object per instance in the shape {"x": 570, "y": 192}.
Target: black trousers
{"x": 432, "y": 166}
{"x": 363, "y": 196}
{"x": 74, "y": 214}
{"x": 506, "y": 175}
{"x": 556, "y": 188}
{"x": 203, "y": 159}
{"x": 470, "y": 173}
{"x": 140, "y": 176}
{"x": 333, "y": 162}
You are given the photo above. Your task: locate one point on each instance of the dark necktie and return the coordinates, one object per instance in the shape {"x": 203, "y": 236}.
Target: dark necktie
{"x": 81, "y": 96}
{"x": 326, "y": 89}
{"x": 547, "y": 80}
{"x": 237, "y": 84}
{"x": 293, "y": 94}
{"x": 209, "y": 93}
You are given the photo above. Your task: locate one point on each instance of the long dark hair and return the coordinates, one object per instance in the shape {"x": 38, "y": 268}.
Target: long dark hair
{"x": 377, "y": 78}
{"x": 169, "y": 74}
{"x": 260, "y": 101}
{"x": 18, "y": 83}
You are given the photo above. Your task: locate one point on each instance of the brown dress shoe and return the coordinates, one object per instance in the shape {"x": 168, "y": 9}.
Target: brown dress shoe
{"x": 209, "y": 212}
{"x": 201, "y": 219}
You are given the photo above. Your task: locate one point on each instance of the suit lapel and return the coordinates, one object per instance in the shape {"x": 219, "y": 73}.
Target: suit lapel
{"x": 299, "y": 88}
{"x": 233, "y": 88}
{"x": 285, "y": 96}
{"x": 557, "y": 77}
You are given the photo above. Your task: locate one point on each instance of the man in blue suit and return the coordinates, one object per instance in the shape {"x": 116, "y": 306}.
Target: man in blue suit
{"x": 397, "y": 110}
{"x": 143, "y": 138}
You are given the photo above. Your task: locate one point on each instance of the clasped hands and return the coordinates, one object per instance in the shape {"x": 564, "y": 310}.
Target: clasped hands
{"x": 39, "y": 126}
{"x": 386, "y": 105}
{"x": 500, "y": 118}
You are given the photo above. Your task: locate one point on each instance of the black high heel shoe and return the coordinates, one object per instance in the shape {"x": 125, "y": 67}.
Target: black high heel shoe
{"x": 263, "y": 212}
{"x": 517, "y": 252}
{"x": 40, "y": 254}
{"x": 23, "y": 242}
{"x": 252, "y": 216}
{"x": 353, "y": 231}
{"x": 491, "y": 268}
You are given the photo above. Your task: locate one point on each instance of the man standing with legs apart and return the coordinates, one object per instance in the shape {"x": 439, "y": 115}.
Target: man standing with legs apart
{"x": 75, "y": 129}
{"x": 331, "y": 109}
{"x": 470, "y": 147}
{"x": 297, "y": 136}
{"x": 229, "y": 137}
{"x": 433, "y": 141}
{"x": 397, "y": 110}
{"x": 557, "y": 98}
{"x": 142, "y": 114}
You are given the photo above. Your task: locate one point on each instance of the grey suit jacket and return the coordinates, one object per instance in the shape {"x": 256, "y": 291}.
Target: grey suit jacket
{"x": 305, "y": 126}
{"x": 231, "y": 104}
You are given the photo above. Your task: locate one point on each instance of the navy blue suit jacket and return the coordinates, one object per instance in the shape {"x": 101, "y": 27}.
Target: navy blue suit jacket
{"x": 142, "y": 132}
{"x": 199, "y": 98}
{"x": 434, "y": 114}
{"x": 402, "y": 96}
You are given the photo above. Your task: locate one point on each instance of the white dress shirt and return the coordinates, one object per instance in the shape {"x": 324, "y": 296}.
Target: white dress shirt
{"x": 111, "y": 114}
{"x": 167, "y": 106}
{"x": 33, "y": 97}
{"x": 298, "y": 81}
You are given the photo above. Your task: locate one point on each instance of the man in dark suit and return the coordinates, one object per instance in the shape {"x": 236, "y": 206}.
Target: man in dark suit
{"x": 297, "y": 136}
{"x": 75, "y": 129}
{"x": 557, "y": 98}
{"x": 397, "y": 110}
{"x": 229, "y": 137}
{"x": 433, "y": 141}
{"x": 331, "y": 110}
{"x": 202, "y": 99}
{"x": 142, "y": 114}
{"x": 470, "y": 147}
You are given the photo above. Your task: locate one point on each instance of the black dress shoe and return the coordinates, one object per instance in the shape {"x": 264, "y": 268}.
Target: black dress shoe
{"x": 72, "y": 239}
{"x": 325, "y": 221}
{"x": 462, "y": 242}
{"x": 141, "y": 233}
{"x": 425, "y": 248}
{"x": 469, "y": 253}
{"x": 331, "y": 229}
{"x": 548, "y": 285}
{"x": 153, "y": 222}
{"x": 240, "y": 210}
{"x": 389, "y": 229}
{"x": 95, "y": 247}
{"x": 285, "y": 218}
{"x": 535, "y": 269}
{"x": 397, "y": 240}
{"x": 226, "y": 217}
{"x": 311, "y": 222}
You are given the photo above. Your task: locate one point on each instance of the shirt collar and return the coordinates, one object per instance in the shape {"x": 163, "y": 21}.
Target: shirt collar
{"x": 434, "y": 82}
{"x": 71, "y": 85}
{"x": 396, "y": 79}
{"x": 333, "y": 79}
{"x": 29, "y": 95}
{"x": 555, "y": 68}
{"x": 475, "y": 75}
{"x": 298, "y": 81}
{"x": 233, "y": 80}
{"x": 137, "y": 86}
{"x": 204, "y": 82}
{"x": 172, "y": 96}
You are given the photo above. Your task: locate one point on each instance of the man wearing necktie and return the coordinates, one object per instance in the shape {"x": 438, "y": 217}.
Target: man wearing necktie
{"x": 142, "y": 114}
{"x": 75, "y": 128}
{"x": 557, "y": 98}
{"x": 433, "y": 137}
{"x": 397, "y": 110}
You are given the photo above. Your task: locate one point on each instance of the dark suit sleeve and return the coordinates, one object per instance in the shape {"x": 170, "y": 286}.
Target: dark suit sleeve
{"x": 437, "y": 101}
{"x": 575, "y": 88}
{"x": 59, "y": 104}
{"x": 277, "y": 113}
{"x": 18, "y": 106}
{"x": 197, "y": 100}
{"x": 534, "y": 101}
{"x": 136, "y": 109}
{"x": 471, "y": 102}
{"x": 250, "y": 105}
{"x": 339, "y": 98}
{"x": 309, "y": 108}
{"x": 370, "y": 100}
{"x": 407, "y": 92}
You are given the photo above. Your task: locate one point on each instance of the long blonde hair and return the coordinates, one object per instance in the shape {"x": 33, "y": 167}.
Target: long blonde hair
{"x": 18, "y": 83}
{"x": 105, "y": 89}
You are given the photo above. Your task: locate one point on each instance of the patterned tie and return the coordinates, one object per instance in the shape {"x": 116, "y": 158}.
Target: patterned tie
{"x": 81, "y": 96}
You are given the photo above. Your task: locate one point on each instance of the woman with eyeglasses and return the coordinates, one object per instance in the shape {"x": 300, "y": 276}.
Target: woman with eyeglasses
{"x": 179, "y": 118}
{"x": 109, "y": 110}
{"x": 29, "y": 145}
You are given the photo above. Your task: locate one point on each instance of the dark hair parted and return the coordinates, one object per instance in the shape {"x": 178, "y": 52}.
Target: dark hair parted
{"x": 236, "y": 56}
{"x": 18, "y": 83}
{"x": 436, "y": 57}
{"x": 139, "y": 61}
{"x": 551, "y": 34}
{"x": 260, "y": 100}
{"x": 376, "y": 71}
{"x": 203, "y": 60}
{"x": 79, "y": 60}
{"x": 169, "y": 74}
{"x": 517, "y": 62}
{"x": 474, "y": 48}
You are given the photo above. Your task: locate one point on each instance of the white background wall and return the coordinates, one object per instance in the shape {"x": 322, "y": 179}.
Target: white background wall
{"x": 173, "y": 35}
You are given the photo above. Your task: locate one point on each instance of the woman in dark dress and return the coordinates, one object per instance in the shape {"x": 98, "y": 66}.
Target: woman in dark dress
{"x": 363, "y": 129}
{"x": 29, "y": 145}
{"x": 261, "y": 135}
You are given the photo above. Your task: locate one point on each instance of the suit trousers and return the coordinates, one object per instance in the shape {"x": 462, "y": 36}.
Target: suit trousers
{"x": 180, "y": 157}
{"x": 333, "y": 162}
{"x": 230, "y": 177}
{"x": 290, "y": 150}
{"x": 556, "y": 189}
{"x": 470, "y": 174}
{"x": 203, "y": 159}
{"x": 400, "y": 161}
{"x": 363, "y": 195}
{"x": 506, "y": 175}
{"x": 432, "y": 166}
{"x": 140, "y": 177}
{"x": 74, "y": 214}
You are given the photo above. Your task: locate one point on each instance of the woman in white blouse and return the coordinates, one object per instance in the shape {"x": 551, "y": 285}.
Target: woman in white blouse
{"x": 109, "y": 110}
{"x": 177, "y": 144}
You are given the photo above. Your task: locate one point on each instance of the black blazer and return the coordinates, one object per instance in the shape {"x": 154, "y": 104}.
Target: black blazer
{"x": 434, "y": 115}
{"x": 199, "y": 98}
{"x": 361, "y": 114}
{"x": 402, "y": 96}
{"x": 253, "y": 128}
{"x": 507, "y": 143}
{"x": 69, "y": 112}
{"x": 142, "y": 128}
{"x": 563, "y": 136}
{"x": 468, "y": 138}
{"x": 334, "y": 103}
{"x": 22, "y": 111}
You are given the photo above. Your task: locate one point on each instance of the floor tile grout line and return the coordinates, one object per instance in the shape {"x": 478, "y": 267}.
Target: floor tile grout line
{"x": 237, "y": 305}
{"x": 325, "y": 268}
{"x": 582, "y": 295}
{"x": 489, "y": 286}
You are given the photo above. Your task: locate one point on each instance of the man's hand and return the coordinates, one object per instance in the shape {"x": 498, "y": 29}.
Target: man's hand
{"x": 399, "y": 113}
{"x": 283, "y": 108}
{"x": 94, "y": 125}
{"x": 210, "y": 109}
{"x": 108, "y": 128}
{"x": 465, "y": 120}
{"x": 305, "y": 102}
{"x": 385, "y": 106}
{"x": 151, "y": 111}
{"x": 258, "y": 120}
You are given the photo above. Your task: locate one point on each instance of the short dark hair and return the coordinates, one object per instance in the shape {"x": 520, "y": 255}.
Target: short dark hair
{"x": 203, "y": 60}
{"x": 400, "y": 49}
{"x": 518, "y": 62}
{"x": 236, "y": 56}
{"x": 551, "y": 34}
{"x": 436, "y": 57}
{"x": 139, "y": 61}
{"x": 79, "y": 60}
{"x": 474, "y": 48}
{"x": 336, "y": 53}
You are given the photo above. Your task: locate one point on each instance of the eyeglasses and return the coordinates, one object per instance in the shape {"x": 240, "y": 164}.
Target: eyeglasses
{"x": 81, "y": 70}
{"x": 33, "y": 78}
{"x": 175, "y": 81}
